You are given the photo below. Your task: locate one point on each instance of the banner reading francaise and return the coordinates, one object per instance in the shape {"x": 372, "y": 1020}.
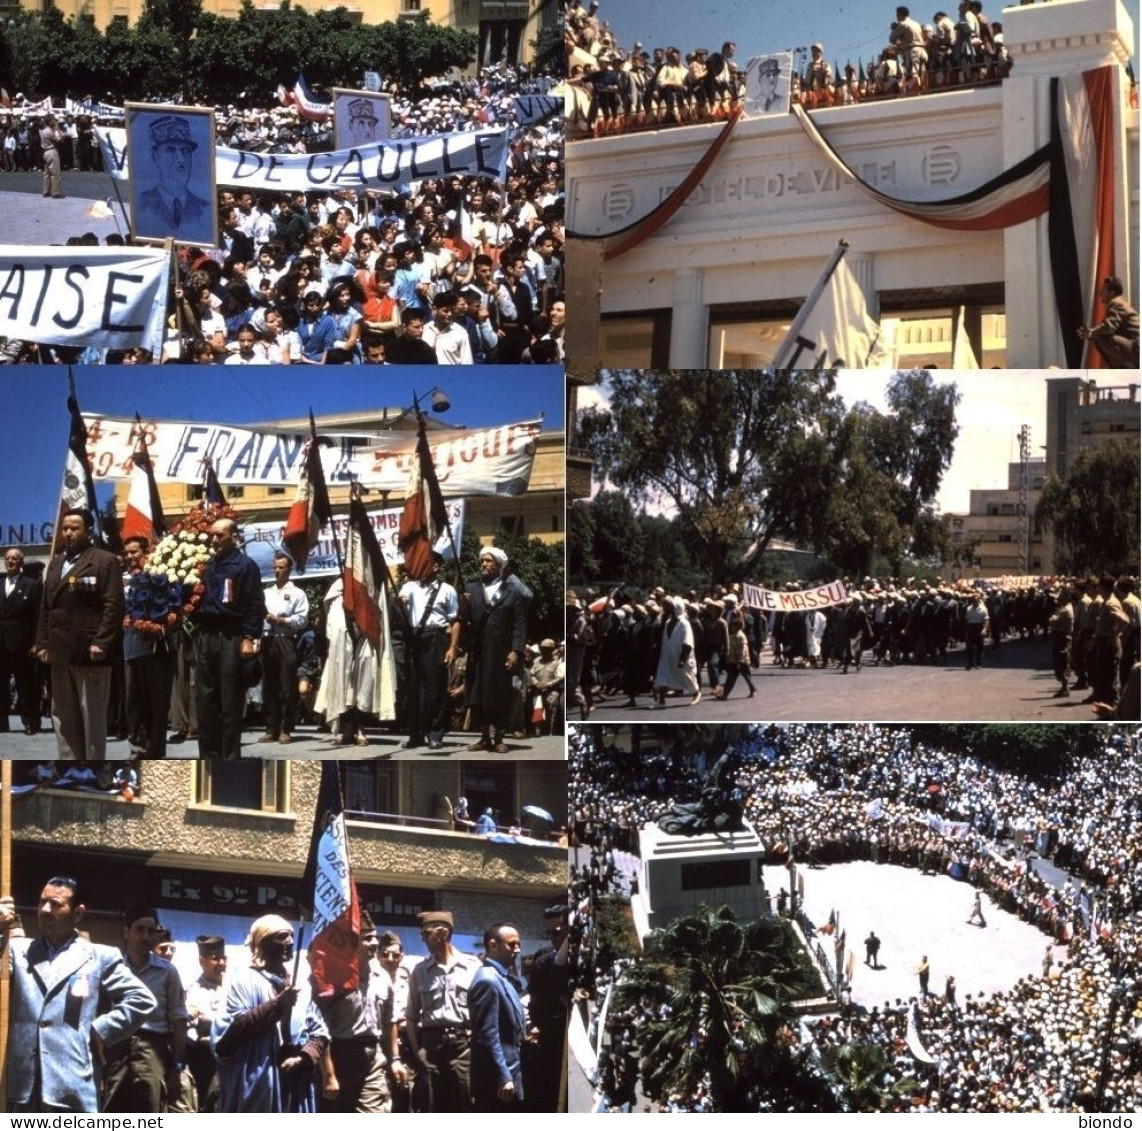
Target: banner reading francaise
{"x": 484, "y": 461}
{"x": 109, "y": 297}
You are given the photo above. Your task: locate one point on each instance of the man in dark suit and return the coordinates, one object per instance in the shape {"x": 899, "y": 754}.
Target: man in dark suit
{"x": 497, "y": 623}
{"x": 80, "y": 628}
{"x": 498, "y": 1024}
{"x": 70, "y": 999}
{"x": 20, "y": 598}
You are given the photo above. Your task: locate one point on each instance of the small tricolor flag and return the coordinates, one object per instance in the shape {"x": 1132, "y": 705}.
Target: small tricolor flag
{"x": 311, "y": 509}
{"x": 143, "y": 517}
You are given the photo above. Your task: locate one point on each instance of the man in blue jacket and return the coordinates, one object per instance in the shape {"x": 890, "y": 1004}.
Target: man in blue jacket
{"x": 498, "y": 1024}
{"x": 70, "y": 999}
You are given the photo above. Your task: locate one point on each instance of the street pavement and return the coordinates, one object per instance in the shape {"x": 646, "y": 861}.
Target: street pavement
{"x": 30, "y": 218}
{"x": 915, "y": 915}
{"x": 308, "y": 744}
{"x": 1015, "y": 683}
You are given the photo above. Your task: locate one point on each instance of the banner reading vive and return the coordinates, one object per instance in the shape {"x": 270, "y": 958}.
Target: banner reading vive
{"x": 486, "y": 461}
{"x": 531, "y": 108}
{"x": 798, "y": 601}
{"x": 110, "y": 297}
{"x": 382, "y": 165}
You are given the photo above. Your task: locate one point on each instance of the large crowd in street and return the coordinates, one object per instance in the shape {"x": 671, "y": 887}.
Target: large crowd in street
{"x": 641, "y": 642}
{"x": 834, "y": 794}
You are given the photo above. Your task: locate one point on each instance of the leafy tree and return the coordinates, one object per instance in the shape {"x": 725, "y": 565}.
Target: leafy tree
{"x": 1094, "y": 512}
{"x": 733, "y": 452}
{"x": 707, "y": 974}
{"x": 582, "y": 563}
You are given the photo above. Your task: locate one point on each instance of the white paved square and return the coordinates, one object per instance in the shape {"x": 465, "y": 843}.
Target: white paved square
{"x": 914, "y": 914}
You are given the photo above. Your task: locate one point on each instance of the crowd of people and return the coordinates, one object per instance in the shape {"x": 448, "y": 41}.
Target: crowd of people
{"x": 832, "y": 794}
{"x": 453, "y": 270}
{"x": 618, "y": 88}
{"x": 636, "y": 642}
{"x": 440, "y": 1031}
{"x": 72, "y": 646}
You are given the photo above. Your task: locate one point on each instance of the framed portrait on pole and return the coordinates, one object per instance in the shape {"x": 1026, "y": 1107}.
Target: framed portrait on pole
{"x": 360, "y": 117}
{"x": 170, "y": 164}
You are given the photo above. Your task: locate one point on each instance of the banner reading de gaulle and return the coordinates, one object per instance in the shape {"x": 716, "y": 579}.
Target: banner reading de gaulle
{"x": 794, "y": 601}
{"x": 381, "y": 165}
{"x": 479, "y": 461}
{"x": 108, "y": 297}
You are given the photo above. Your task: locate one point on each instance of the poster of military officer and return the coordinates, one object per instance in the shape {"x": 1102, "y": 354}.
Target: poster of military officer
{"x": 767, "y": 80}
{"x": 170, "y": 158}
{"x": 360, "y": 117}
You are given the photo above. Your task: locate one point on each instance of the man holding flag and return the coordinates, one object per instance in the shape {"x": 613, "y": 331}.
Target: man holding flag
{"x": 355, "y": 1000}
{"x": 431, "y": 605}
{"x": 230, "y": 618}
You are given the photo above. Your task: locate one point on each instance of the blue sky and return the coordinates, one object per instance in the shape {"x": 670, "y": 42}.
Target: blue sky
{"x": 35, "y": 419}
{"x": 849, "y": 30}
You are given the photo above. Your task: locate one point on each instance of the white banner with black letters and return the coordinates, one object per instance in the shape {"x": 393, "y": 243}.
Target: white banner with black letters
{"x": 794, "y": 601}
{"x": 108, "y": 297}
{"x": 478, "y": 461}
{"x": 381, "y": 165}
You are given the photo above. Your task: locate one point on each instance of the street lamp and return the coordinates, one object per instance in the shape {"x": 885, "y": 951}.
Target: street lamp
{"x": 439, "y": 404}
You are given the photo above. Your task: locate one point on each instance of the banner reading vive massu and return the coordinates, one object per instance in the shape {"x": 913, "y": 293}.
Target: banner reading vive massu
{"x": 380, "y": 165}
{"x": 485, "y": 461}
{"x": 796, "y": 601}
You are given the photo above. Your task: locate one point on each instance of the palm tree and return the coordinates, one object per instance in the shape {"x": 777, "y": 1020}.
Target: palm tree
{"x": 861, "y": 1074}
{"x": 718, "y": 994}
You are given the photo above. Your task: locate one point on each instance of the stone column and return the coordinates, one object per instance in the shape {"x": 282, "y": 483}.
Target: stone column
{"x": 689, "y": 322}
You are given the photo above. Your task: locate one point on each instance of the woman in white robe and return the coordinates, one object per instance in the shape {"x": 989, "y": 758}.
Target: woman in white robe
{"x": 677, "y": 667}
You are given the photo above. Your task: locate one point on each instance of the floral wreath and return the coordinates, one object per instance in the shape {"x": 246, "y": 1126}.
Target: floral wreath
{"x": 169, "y": 587}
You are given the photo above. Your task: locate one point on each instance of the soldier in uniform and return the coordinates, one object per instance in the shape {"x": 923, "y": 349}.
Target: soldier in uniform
{"x": 439, "y": 1027}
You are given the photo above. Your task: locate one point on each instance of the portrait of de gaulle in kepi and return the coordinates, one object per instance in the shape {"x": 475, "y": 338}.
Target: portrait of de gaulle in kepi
{"x": 172, "y": 176}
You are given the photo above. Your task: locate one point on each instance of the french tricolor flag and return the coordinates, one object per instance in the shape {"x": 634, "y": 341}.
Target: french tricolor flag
{"x": 329, "y": 886}
{"x": 143, "y": 517}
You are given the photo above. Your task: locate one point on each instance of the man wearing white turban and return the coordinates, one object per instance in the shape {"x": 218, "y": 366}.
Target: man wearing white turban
{"x": 496, "y": 612}
{"x": 677, "y": 668}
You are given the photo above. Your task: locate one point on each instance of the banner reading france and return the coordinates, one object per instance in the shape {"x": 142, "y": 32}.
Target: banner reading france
{"x": 797, "y": 601}
{"x": 107, "y": 297}
{"x": 479, "y": 461}
{"x": 381, "y": 165}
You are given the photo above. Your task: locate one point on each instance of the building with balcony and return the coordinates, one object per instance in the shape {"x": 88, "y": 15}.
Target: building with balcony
{"x": 718, "y": 284}
{"x": 214, "y": 845}
{"x": 994, "y": 520}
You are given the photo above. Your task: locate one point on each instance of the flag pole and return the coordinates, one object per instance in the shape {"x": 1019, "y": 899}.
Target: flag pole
{"x": 332, "y": 522}
{"x": 811, "y": 300}
{"x": 421, "y": 419}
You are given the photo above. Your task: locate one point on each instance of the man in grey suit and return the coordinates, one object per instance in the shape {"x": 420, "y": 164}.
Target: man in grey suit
{"x": 498, "y": 1024}
{"x": 60, "y": 983}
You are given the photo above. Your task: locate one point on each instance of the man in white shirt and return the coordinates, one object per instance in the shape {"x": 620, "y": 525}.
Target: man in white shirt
{"x": 287, "y": 613}
{"x": 450, "y": 341}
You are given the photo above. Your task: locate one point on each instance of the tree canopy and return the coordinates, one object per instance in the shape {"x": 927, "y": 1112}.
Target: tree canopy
{"x": 743, "y": 458}
{"x": 1094, "y": 512}
{"x": 176, "y": 50}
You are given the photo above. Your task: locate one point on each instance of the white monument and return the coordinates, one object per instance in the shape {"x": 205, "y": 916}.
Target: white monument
{"x": 680, "y": 873}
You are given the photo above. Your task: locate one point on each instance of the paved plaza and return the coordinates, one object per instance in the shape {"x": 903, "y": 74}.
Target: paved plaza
{"x": 1015, "y": 683}
{"x": 914, "y": 914}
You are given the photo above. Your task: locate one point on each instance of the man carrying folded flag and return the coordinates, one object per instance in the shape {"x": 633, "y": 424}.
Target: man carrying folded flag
{"x": 311, "y": 509}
